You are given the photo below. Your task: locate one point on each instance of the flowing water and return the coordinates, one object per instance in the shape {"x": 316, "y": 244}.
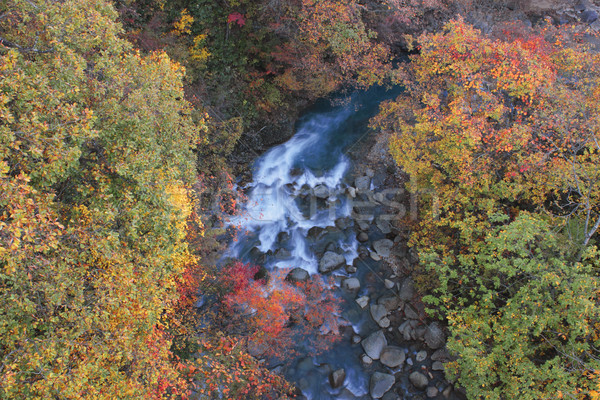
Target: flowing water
{"x": 298, "y": 189}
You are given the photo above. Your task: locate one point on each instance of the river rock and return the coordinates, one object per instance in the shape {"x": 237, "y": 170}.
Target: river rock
{"x": 362, "y": 183}
{"x": 337, "y": 377}
{"x": 297, "y": 275}
{"x": 384, "y": 322}
{"x": 369, "y": 172}
{"x": 384, "y": 226}
{"x": 362, "y": 301}
{"x": 409, "y": 312}
{"x": 315, "y": 232}
{"x": 407, "y": 290}
{"x": 374, "y": 344}
{"x": 378, "y": 311}
{"x": 390, "y": 396}
{"x": 391, "y": 303}
{"x": 392, "y": 356}
{"x": 589, "y": 16}
{"x": 375, "y": 256}
{"x": 434, "y": 337}
{"x": 283, "y": 237}
{"x": 406, "y": 330}
{"x": 343, "y": 223}
{"x": 437, "y": 366}
{"x": 362, "y": 225}
{"x": 383, "y": 247}
{"x": 282, "y": 253}
{"x": 380, "y": 383}
{"x": 362, "y": 237}
{"x": 331, "y": 261}
{"x": 388, "y": 284}
{"x": 440, "y": 355}
{"x": 366, "y": 359}
{"x": 351, "y": 191}
{"x": 419, "y": 380}
{"x": 421, "y": 356}
{"x": 351, "y": 284}
{"x": 321, "y": 191}
{"x": 432, "y": 391}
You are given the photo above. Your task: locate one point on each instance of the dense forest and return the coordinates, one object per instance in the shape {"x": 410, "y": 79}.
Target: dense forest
{"x": 126, "y": 124}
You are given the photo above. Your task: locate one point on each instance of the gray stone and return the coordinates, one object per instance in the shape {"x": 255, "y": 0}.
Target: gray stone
{"x": 390, "y": 396}
{"x": 321, "y": 191}
{"x": 437, "y": 366}
{"x": 380, "y": 383}
{"x": 405, "y": 329}
{"x": 434, "y": 337}
{"x": 418, "y": 380}
{"x": 391, "y": 303}
{"x": 375, "y": 256}
{"x": 407, "y": 290}
{"x": 343, "y": 223}
{"x": 421, "y": 356}
{"x": 410, "y": 312}
{"x": 383, "y": 247}
{"x": 366, "y": 359}
{"x": 362, "y": 237}
{"x": 447, "y": 392}
{"x": 392, "y": 356}
{"x": 356, "y": 339}
{"x": 362, "y": 301}
{"x": 378, "y": 311}
{"x": 297, "y": 275}
{"x": 388, "y": 284}
{"x": 374, "y": 344}
{"x": 331, "y": 261}
{"x": 362, "y": 183}
{"x": 362, "y": 225}
{"x": 432, "y": 392}
{"x": 384, "y": 226}
{"x": 337, "y": 377}
{"x": 351, "y": 269}
{"x": 589, "y": 16}
{"x": 351, "y": 191}
{"x": 315, "y": 232}
{"x": 351, "y": 284}
{"x": 369, "y": 172}
{"x": 384, "y": 322}
{"x": 440, "y": 355}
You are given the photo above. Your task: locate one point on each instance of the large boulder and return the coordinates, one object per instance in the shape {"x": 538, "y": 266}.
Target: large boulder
{"x": 297, "y": 275}
{"x": 380, "y": 384}
{"x": 434, "y": 337}
{"x": 392, "y": 356}
{"x": 331, "y": 261}
{"x": 383, "y": 247}
{"x": 374, "y": 344}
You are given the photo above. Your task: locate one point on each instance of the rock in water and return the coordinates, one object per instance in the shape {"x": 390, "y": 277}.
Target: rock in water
{"x": 351, "y": 284}
{"x": 337, "y": 377}
{"x": 392, "y": 356}
{"x": 381, "y": 383}
{"x": 297, "y": 275}
{"x": 374, "y": 344}
{"x": 331, "y": 261}
{"x": 362, "y": 183}
{"x": 321, "y": 191}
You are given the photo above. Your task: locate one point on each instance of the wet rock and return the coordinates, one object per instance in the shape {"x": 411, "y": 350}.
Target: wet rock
{"x": 421, "y": 356}
{"x": 379, "y": 197}
{"x": 362, "y": 183}
{"x": 362, "y": 237}
{"x": 297, "y": 275}
{"x": 362, "y": 225}
{"x": 283, "y": 237}
{"x": 406, "y": 330}
{"x": 356, "y": 339}
{"x": 362, "y": 301}
{"x": 447, "y": 392}
{"x": 388, "y": 284}
{"x": 351, "y": 269}
{"x": 369, "y": 172}
{"x": 337, "y": 377}
{"x": 343, "y": 223}
{"x": 296, "y": 172}
{"x": 380, "y": 383}
{"x": 374, "y": 344}
{"x": 407, "y": 290}
{"x": 282, "y": 253}
{"x": 432, "y": 392}
{"x": 378, "y": 311}
{"x": 418, "y": 380}
{"x": 315, "y": 232}
{"x": 419, "y": 333}
{"x": 383, "y": 247}
{"x": 437, "y": 366}
{"x": 351, "y": 191}
{"x": 434, "y": 337}
{"x": 375, "y": 256}
{"x": 384, "y": 226}
{"x": 321, "y": 191}
{"x": 392, "y": 356}
{"x": 351, "y": 284}
{"x": 331, "y": 261}
{"x": 367, "y": 360}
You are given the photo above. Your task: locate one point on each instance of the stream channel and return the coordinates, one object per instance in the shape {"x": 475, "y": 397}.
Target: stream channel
{"x": 297, "y": 208}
